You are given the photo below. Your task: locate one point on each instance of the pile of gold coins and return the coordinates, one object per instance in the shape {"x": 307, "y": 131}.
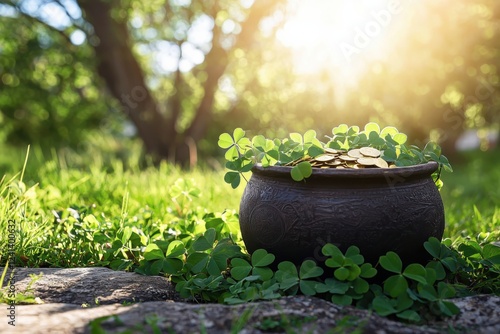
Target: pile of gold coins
{"x": 364, "y": 157}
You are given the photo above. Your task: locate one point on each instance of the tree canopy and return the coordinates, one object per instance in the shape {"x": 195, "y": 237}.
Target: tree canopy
{"x": 183, "y": 71}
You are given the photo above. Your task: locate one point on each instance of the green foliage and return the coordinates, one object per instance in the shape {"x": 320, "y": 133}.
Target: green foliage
{"x": 174, "y": 229}
{"x": 414, "y": 292}
{"x": 291, "y": 281}
{"x": 242, "y": 153}
{"x": 53, "y": 81}
{"x": 349, "y": 274}
{"x": 49, "y": 93}
{"x": 474, "y": 265}
{"x": 20, "y": 297}
{"x": 301, "y": 171}
{"x": 472, "y": 204}
{"x": 80, "y": 216}
{"x": 443, "y": 95}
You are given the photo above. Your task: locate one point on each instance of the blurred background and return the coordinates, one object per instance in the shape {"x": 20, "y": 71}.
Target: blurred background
{"x": 166, "y": 77}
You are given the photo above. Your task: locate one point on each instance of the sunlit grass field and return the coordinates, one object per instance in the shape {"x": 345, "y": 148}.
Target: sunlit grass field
{"x": 69, "y": 209}
{"x": 471, "y": 195}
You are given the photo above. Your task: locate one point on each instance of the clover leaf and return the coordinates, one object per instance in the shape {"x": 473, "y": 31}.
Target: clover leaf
{"x": 416, "y": 272}
{"x": 298, "y": 149}
{"x": 240, "y": 268}
{"x": 235, "y": 145}
{"x": 372, "y": 127}
{"x": 395, "y": 285}
{"x": 309, "y": 269}
{"x": 391, "y": 262}
{"x": 301, "y": 171}
{"x": 261, "y": 258}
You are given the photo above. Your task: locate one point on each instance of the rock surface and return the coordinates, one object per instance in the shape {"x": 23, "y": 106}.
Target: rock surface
{"x": 93, "y": 286}
{"x": 65, "y": 290}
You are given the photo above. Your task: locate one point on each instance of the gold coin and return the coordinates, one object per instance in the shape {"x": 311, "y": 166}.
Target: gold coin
{"x": 334, "y": 163}
{"x": 347, "y": 158}
{"x": 331, "y": 150}
{"x": 355, "y": 153}
{"x": 381, "y": 163}
{"x": 367, "y": 161}
{"x": 370, "y": 152}
{"x": 325, "y": 157}
{"x": 296, "y": 162}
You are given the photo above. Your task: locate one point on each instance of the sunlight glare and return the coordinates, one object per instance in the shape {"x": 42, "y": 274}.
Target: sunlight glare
{"x": 340, "y": 37}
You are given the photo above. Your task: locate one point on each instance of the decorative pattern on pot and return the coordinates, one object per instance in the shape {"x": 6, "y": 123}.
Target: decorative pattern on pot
{"x": 294, "y": 219}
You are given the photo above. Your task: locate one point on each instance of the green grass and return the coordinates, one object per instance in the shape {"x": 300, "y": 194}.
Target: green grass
{"x": 70, "y": 204}
{"x": 121, "y": 212}
{"x": 69, "y": 208}
{"x": 471, "y": 195}
{"x": 99, "y": 209}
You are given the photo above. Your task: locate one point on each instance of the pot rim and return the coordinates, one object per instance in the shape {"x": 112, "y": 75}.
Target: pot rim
{"x": 405, "y": 172}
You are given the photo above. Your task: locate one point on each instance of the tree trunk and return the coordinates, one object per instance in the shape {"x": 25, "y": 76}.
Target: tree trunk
{"x": 124, "y": 78}
{"x": 122, "y": 74}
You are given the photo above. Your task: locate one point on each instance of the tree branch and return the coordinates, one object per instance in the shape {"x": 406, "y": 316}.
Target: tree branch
{"x": 216, "y": 63}
{"x": 124, "y": 77}
{"x": 37, "y": 20}
{"x": 65, "y": 10}
{"x": 175, "y": 101}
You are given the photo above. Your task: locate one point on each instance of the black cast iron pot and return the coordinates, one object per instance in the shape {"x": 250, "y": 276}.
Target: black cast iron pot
{"x": 378, "y": 210}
